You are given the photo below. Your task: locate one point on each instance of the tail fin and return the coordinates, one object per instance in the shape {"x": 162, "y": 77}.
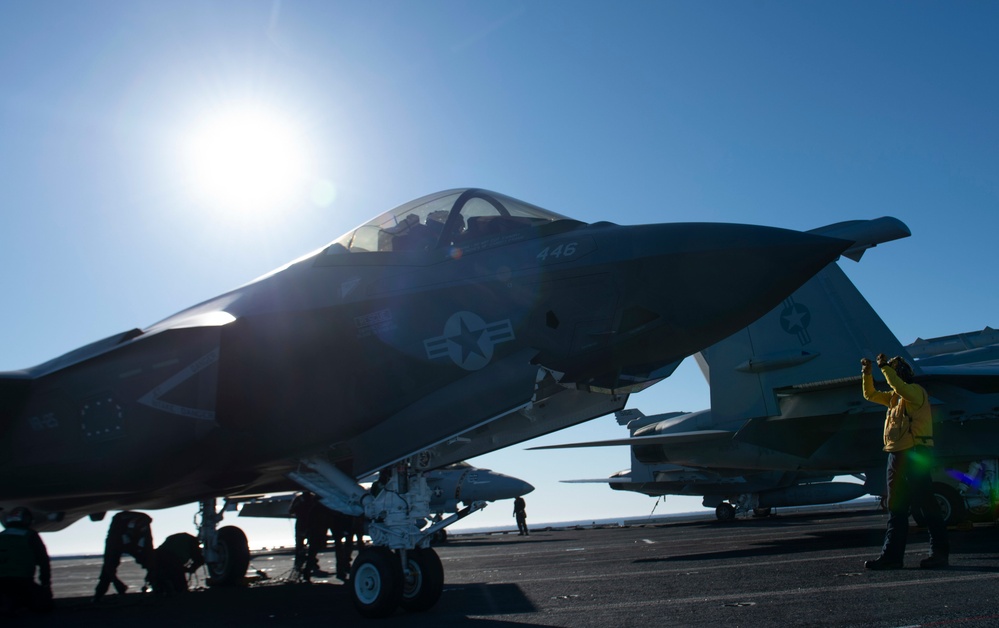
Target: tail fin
{"x": 817, "y": 334}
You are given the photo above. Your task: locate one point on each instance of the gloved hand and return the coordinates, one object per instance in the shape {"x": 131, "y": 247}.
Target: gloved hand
{"x": 865, "y": 365}
{"x": 882, "y": 360}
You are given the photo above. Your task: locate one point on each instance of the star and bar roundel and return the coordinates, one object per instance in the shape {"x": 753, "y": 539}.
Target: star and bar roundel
{"x": 468, "y": 340}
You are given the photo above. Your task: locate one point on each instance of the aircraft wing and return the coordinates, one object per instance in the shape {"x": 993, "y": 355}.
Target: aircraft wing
{"x": 798, "y": 436}
{"x": 981, "y": 378}
{"x": 678, "y": 438}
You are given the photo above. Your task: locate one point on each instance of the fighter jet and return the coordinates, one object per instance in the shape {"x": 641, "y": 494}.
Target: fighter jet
{"x": 451, "y": 326}
{"x": 729, "y": 491}
{"x": 787, "y": 414}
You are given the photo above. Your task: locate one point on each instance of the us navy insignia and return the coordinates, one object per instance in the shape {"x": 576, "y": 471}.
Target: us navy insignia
{"x": 468, "y": 340}
{"x": 795, "y": 318}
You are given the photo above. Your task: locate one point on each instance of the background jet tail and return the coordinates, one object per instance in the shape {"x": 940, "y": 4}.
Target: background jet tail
{"x": 817, "y": 334}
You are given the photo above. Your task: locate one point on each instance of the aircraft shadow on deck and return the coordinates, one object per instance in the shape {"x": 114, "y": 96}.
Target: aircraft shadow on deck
{"x": 282, "y": 604}
{"x": 485, "y": 599}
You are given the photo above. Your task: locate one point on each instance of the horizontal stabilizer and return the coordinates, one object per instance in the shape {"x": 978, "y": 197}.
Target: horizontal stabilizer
{"x": 657, "y": 439}
{"x": 865, "y": 234}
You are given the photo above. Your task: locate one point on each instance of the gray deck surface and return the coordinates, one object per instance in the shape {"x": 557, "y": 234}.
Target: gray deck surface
{"x": 789, "y": 569}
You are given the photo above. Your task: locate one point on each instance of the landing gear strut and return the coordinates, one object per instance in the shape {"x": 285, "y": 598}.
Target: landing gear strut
{"x": 227, "y": 552}
{"x": 399, "y": 569}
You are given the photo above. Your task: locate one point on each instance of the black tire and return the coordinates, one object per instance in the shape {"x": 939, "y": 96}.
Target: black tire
{"x": 725, "y": 512}
{"x": 952, "y": 508}
{"x": 423, "y": 585}
{"x": 376, "y": 582}
{"x": 234, "y": 558}
{"x": 762, "y": 512}
{"x": 440, "y": 537}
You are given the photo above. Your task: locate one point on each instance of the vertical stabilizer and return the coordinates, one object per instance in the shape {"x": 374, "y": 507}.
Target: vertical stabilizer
{"x": 817, "y": 334}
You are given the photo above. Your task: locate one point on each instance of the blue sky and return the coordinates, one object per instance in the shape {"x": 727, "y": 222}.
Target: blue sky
{"x": 791, "y": 114}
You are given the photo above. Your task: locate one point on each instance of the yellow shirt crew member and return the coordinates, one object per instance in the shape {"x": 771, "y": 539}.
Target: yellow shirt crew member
{"x": 909, "y": 420}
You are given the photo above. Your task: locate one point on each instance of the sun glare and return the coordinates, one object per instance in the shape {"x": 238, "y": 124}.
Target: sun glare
{"x": 247, "y": 160}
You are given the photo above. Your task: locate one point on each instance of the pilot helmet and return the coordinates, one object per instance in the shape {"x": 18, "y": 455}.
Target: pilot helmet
{"x": 19, "y": 517}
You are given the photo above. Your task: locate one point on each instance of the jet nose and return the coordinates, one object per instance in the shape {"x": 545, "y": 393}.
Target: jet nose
{"x": 685, "y": 286}
{"x": 491, "y": 486}
{"x": 706, "y": 281}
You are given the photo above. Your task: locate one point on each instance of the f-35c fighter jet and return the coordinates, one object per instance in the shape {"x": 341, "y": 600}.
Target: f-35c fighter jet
{"x": 454, "y": 325}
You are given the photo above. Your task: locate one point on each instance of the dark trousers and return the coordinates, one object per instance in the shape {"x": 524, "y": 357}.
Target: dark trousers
{"x": 113, "y": 551}
{"x": 24, "y": 593}
{"x": 910, "y": 486}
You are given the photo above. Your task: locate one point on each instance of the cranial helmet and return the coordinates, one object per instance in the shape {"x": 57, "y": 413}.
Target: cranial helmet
{"x": 902, "y": 368}
{"x": 19, "y": 517}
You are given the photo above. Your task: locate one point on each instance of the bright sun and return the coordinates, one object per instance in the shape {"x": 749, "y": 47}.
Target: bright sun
{"x": 246, "y": 160}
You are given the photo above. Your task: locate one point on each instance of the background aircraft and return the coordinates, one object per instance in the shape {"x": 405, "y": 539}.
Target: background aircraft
{"x": 728, "y": 491}
{"x": 787, "y": 415}
{"x": 453, "y": 325}
{"x": 453, "y": 487}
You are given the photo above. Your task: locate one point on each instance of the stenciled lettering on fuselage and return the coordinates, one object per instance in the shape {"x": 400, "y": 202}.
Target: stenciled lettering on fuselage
{"x": 154, "y": 398}
{"x": 468, "y": 340}
{"x": 379, "y": 322}
{"x": 795, "y": 318}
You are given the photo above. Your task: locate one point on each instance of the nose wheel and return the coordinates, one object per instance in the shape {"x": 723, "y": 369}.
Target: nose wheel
{"x": 379, "y": 585}
{"x": 232, "y": 558}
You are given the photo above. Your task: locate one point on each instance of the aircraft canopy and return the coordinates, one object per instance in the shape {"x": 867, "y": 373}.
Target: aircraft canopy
{"x": 443, "y": 220}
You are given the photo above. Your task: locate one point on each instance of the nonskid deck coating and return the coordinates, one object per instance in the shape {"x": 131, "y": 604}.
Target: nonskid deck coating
{"x": 794, "y": 569}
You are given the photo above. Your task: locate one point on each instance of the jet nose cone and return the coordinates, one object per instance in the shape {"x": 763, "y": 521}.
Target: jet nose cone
{"x": 688, "y": 286}
{"x": 723, "y": 277}
{"x": 492, "y": 486}
{"x": 520, "y": 487}
{"x": 719, "y": 278}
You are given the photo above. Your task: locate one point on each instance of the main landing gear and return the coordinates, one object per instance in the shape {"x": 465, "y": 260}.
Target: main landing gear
{"x": 399, "y": 569}
{"x": 381, "y": 584}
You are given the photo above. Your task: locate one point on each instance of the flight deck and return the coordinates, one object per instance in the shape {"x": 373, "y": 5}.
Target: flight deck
{"x": 794, "y": 568}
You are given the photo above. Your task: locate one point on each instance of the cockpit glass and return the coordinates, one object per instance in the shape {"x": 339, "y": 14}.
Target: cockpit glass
{"x": 445, "y": 219}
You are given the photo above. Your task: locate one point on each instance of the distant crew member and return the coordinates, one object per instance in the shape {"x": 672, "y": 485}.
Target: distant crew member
{"x": 130, "y": 533}
{"x": 179, "y": 555}
{"x": 520, "y": 512}
{"x": 21, "y": 552}
{"x": 908, "y": 438}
